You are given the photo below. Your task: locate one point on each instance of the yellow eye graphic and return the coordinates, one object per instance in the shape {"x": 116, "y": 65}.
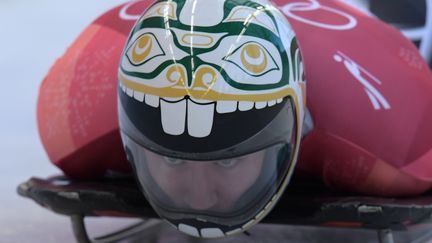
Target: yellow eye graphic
{"x": 253, "y": 59}
{"x": 143, "y": 49}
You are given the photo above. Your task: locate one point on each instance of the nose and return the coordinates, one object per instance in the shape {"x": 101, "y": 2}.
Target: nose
{"x": 201, "y": 193}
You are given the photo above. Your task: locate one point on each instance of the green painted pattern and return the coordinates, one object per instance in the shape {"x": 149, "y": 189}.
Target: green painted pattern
{"x": 229, "y": 29}
{"x": 157, "y": 42}
{"x": 226, "y": 58}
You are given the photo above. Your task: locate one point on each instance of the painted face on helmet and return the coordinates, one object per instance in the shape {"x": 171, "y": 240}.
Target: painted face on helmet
{"x": 192, "y": 59}
{"x": 211, "y": 105}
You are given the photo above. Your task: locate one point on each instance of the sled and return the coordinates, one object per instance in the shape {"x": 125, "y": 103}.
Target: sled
{"x": 304, "y": 203}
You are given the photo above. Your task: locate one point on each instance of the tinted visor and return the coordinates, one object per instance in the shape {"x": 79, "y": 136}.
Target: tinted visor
{"x": 226, "y": 192}
{"x": 212, "y": 180}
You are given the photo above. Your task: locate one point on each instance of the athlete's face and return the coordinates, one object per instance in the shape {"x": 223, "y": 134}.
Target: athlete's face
{"x": 205, "y": 185}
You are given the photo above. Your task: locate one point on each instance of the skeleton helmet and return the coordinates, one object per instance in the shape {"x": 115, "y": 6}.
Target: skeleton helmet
{"x": 211, "y": 105}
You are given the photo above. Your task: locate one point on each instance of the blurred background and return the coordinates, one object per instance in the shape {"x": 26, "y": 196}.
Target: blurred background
{"x": 32, "y": 35}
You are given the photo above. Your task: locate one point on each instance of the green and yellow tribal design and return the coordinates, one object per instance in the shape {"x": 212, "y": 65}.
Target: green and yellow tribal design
{"x": 194, "y": 58}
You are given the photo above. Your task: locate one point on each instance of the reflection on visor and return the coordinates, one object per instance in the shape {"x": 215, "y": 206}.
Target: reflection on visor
{"x": 227, "y": 191}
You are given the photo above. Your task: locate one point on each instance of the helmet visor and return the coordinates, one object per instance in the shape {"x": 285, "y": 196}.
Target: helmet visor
{"x": 227, "y": 192}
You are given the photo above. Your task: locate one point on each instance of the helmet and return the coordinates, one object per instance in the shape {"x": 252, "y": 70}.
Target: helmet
{"x": 211, "y": 105}
{"x": 413, "y": 18}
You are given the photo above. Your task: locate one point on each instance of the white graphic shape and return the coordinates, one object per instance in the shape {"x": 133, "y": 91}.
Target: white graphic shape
{"x": 212, "y": 233}
{"x": 197, "y": 39}
{"x": 313, "y": 5}
{"x": 260, "y": 105}
{"x": 139, "y": 96}
{"x": 129, "y": 92}
{"x": 249, "y": 15}
{"x": 125, "y": 16}
{"x": 187, "y": 229}
{"x": 363, "y": 77}
{"x": 166, "y": 10}
{"x": 272, "y": 103}
{"x": 152, "y": 100}
{"x": 173, "y": 116}
{"x": 200, "y": 119}
{"x": 204, "y": 12}
{"x": 245, "y": 105}
{"x": 226, "y": 106}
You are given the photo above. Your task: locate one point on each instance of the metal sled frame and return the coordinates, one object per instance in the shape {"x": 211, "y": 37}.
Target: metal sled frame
{"x": 302, "y": 204}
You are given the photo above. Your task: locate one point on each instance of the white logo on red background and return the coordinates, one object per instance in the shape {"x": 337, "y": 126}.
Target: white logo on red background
{"x": 123, "y": 14}
{"x": 312, "y": 6}
{"x": 365, "y": 78}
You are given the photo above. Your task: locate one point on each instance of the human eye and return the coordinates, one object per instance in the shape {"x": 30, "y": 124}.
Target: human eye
{"x": 173, "y": 161}
{"x": 227, "y": 163}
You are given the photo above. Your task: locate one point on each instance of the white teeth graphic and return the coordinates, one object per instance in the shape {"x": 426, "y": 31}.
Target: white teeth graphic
{"x": 200, "y": 119}
{"x": 187, "y": 229}
{"x": 245, "y": 105}
{"x": 200, "y": 113}
{"x": 138, "y": 96}
{"x": 173, "y": 116}
{"x": 212, "y": 232}
{"x": 152, "y": 100}
{"x": 272, "y": 103}
{"x": 226, "y": 106}
{"x": 129, "y": 92}
{"x": 260, "y": 104}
